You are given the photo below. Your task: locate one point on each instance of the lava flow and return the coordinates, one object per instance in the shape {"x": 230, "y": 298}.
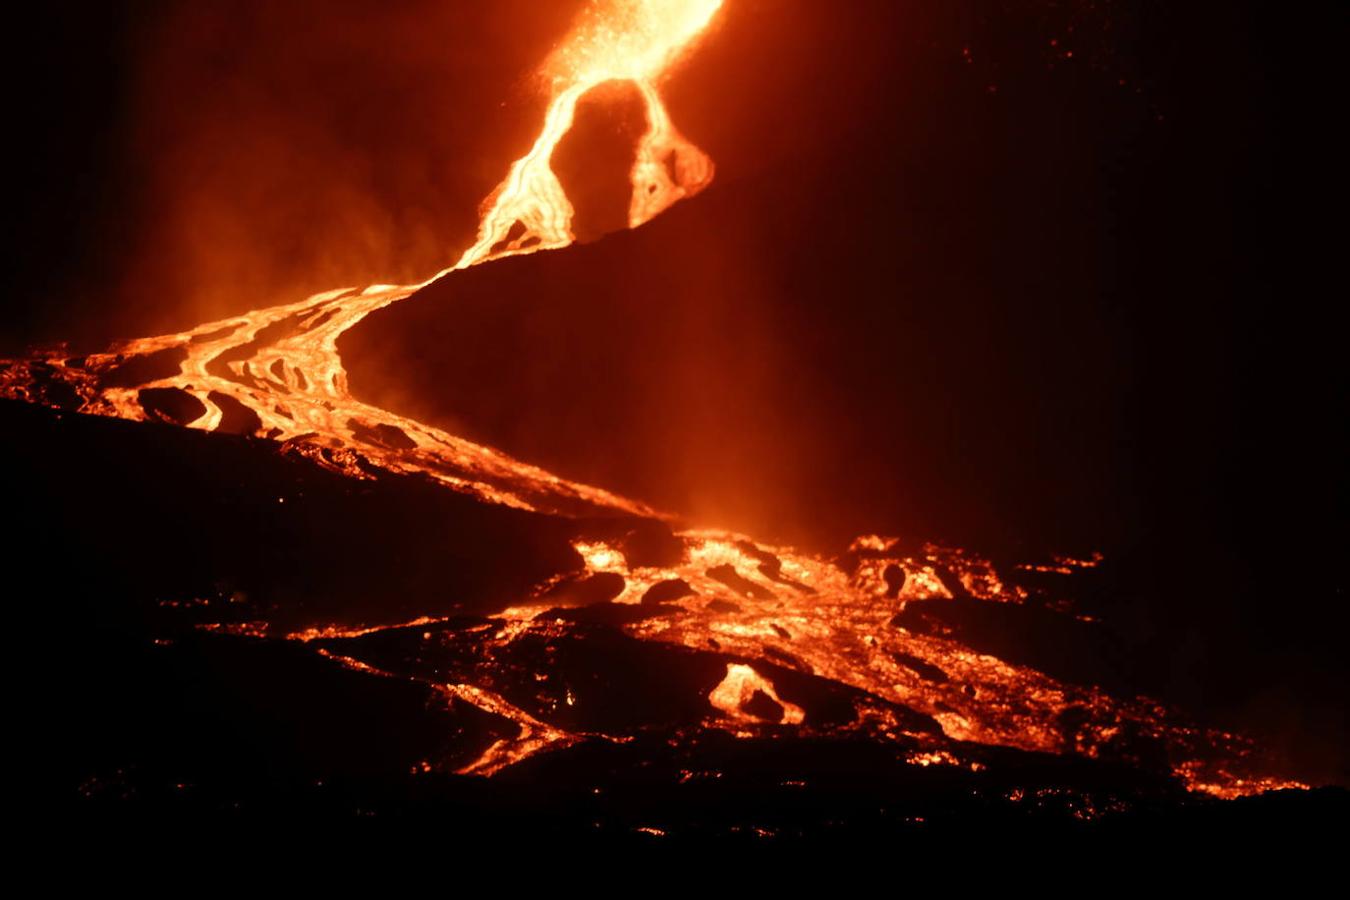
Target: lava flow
{"x": 277, "y": 371}
{"x": 857, "y": 622}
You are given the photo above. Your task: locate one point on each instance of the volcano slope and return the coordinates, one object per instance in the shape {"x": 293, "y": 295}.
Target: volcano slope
{"x": 228, "y": 634}
{"x": 246, "y": 631}
{"x": 1000, "y": 278}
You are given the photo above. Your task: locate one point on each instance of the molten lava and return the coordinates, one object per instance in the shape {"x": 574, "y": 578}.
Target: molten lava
{"x": 617, "y": 40}
{"x": 281, "y": 364}
{"x": 276, "y": 373}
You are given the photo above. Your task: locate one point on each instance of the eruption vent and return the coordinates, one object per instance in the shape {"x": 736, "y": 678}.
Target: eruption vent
{"x": 616, "y": 40}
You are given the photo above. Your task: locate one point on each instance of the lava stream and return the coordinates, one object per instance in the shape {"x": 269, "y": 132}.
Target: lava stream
{"x": 278, "y": 372}
{"x": 281, "y": 364}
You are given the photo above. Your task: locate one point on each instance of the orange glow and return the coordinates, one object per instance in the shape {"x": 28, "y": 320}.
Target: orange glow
{"x": 336, "y": 631}
{"x": 616, "y": 40}
{"x": 773, "y": 606}
{"x": 534, "y": 735}
{"x": 282, "y": 363}
{"x": 835, "y": 625}
{"x": 738, "y": 689}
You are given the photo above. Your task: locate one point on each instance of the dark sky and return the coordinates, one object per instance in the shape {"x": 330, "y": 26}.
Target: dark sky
{"x": 1088, "y": 245}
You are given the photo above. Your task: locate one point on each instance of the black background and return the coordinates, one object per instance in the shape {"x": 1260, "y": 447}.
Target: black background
{"x": 1105, "y": 283}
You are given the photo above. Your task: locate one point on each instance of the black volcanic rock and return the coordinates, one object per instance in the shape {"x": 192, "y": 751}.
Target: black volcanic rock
{"x": 600, "y": 587}
{"x": 382, "y": 435}
{"x": 170, "y": 405}
{"x": 149, "y": 367}
{"x": 665, "y": 591}
{"x": 894, "y": 577}
{"x": 613, "y": 614}
{"x": 762, "y": 706}
{"x": 149, "y": 719}
{"x": 249, "y": 534}
{"x": 650, "y": 543}
{"x": 236, "y": 418}
{"x": 923, "y": 669}
{"x": 743, "y": 586}
{"x": 1068, "y": 647}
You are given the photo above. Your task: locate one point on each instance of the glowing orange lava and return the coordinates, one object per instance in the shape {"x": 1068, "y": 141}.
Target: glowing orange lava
{"x": 282, "y": 363}
{"x": 756, "y": 603}
{"x": 616, "y": 40}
